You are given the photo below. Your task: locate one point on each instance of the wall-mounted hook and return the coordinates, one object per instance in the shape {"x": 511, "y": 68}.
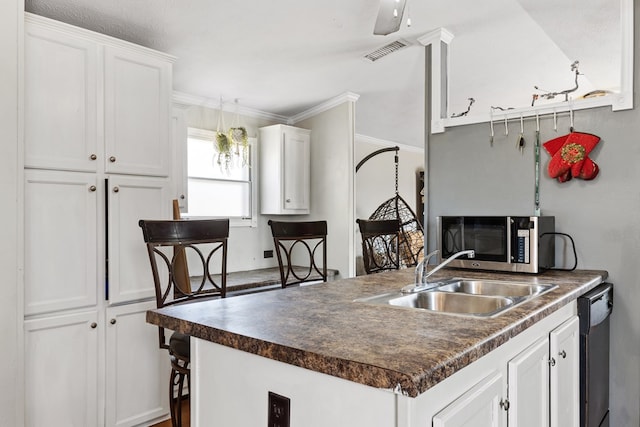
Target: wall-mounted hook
{"x": 491, "y": 126}
{"x": 570, "y": 119}
{"x": 521, "y": 142}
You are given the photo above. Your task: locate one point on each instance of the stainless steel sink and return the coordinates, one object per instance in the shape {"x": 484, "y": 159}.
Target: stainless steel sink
{"x": 449, "y": 302}
{"x": 494, "y": 287}
{"x": 468, "y": 297}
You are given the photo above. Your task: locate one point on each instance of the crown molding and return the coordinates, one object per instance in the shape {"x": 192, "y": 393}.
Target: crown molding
{"x": 439, "y": 34}
{"x": 320, "y": 108}
{"x": 385, "y": 143}
{"x": 94, "y": 36}
{"x": 183, "y": 100}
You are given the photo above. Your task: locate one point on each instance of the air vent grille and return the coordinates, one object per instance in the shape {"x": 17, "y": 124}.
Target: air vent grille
{"x": 386, "y": 50}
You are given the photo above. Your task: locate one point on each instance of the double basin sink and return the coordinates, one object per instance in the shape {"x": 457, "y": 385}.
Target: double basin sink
{"x": 470, "y": 297}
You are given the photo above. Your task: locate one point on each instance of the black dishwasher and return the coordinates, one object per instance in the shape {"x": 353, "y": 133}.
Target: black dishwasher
{"x": 594, "y": 309}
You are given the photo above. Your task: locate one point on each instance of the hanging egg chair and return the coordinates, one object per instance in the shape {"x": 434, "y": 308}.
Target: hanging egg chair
{"x": 411, "y": 243}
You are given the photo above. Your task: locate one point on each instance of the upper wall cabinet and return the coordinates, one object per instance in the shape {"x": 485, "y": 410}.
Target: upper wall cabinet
{"x": 93, "y": 103}
{"x": 60, "y": 95}
{"x": 285, "y": 162}
{"x": 137, "y": 99}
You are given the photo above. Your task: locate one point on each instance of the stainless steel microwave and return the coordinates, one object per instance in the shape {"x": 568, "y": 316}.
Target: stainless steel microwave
{"x": 522, "y": 244}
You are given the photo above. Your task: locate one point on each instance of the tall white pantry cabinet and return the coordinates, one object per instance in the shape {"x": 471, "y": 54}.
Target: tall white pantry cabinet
{"x": 96, "y": 160}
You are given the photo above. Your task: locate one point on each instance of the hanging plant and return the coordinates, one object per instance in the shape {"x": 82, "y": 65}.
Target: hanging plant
{"x": 239, "y": 138}
{"x": 223, "y": 145}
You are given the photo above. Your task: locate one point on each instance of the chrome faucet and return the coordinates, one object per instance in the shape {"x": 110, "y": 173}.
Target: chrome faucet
{"x": 422, "y": 267}
{"x": 421, "y": 282}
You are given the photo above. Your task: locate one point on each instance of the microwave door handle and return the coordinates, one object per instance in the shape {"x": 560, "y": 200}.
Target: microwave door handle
{"x": 510, "y": 235}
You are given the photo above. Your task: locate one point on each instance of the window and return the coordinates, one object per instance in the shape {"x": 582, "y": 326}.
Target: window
{"x": 215, "y": 191}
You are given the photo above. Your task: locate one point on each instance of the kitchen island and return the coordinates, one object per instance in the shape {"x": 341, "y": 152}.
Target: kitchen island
{"x": 346, "y": 363}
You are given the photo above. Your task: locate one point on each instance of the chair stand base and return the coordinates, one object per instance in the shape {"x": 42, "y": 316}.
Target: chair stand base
{"x": 179, "y": 372}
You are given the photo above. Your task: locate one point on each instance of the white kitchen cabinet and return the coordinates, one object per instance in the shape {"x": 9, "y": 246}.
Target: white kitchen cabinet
{"x": 60, "y": 240}
{"x": 60, "y": 99}
{"x": 541, "y": 388}
{"x": 480, "y": 406}
{"x": 94, "y": 103}
{"x": 137, "y": 371}
{"x": 284, "y": 170}
{"x": 97, "y": 160}
{"x": 131, "y": 199}
{"x": 528, "y": 375}
{"x": 61, "y": 370}
{"x": 564, "y": 350}
{"x": 179, "y": 135}
{"x": 137, "y": 100}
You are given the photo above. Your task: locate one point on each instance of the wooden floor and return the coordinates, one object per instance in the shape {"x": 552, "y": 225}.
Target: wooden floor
{"x": 185, "y": 417}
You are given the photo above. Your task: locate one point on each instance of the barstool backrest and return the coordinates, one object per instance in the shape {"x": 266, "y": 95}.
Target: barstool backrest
{"x": 380, "y": 244}
{"x": 301, "y": 248}
{"x": 188, "y": 259}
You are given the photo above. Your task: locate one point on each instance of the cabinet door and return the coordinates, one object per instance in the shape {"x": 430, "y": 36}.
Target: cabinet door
{"x": 564, "y": 347}
{"x": 296, "y": 174}
{"x": 480, "y": 406}
{"x": 131, "y": 199}
{"x": 137, "y": 369}
{"x": 60, "y": 240}
{"x": 61, "y": 370}
{"x": 528, "y": 377}
{"x": 137, "y": 96}
{"x": 59, "y": 100}
{"x": 179, "y": 137}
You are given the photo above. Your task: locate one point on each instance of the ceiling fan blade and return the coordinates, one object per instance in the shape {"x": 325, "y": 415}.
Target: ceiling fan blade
{"x": 386, "y": 23}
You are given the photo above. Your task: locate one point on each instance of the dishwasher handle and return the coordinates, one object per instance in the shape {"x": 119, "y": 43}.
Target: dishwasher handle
{"x": 595, "y": 306}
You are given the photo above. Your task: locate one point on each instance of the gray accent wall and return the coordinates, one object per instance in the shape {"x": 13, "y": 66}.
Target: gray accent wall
{"x": 469, "y": 176}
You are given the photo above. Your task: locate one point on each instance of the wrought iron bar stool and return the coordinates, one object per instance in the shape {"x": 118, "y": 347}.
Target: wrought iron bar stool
{"x": 188, "y": 262}
{"x": 301, "y": 248}
{"x": 380, "y": 244}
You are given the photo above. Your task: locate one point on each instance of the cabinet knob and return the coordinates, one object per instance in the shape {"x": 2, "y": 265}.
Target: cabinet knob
{"x": 116, "y": 189}
{"x": 288, "y": 200}
{"x": 112, "y": 321}
{"x": 93, "y": 157}
{"x": 92, "y": 188}
{"x": 112, "y": 159}
{"x": 182, "y": 196}
{"x": 563, "y": 354}
{"x": 552, "y": 362}
{"x": 504, "y": 404}
{"x": 94, "y": 325}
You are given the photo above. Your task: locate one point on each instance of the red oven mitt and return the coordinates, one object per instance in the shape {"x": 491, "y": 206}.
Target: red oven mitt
{"x": 570, "y": 156}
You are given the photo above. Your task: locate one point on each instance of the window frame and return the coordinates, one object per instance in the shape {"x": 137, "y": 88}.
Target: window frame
{"x": 251, "y": 221}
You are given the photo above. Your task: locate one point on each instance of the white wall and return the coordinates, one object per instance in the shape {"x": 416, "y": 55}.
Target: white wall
{"x": 332, "y": 170}
{"x": 331, "y": 187}
{"x": 375, "y": 181}
{"x": 11, "y": 409}
{"x": 246, "y": 244}
{"x": 467, "y": 175}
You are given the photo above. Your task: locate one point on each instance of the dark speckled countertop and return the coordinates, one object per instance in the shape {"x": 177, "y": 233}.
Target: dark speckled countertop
{"x": 320, "y": 328}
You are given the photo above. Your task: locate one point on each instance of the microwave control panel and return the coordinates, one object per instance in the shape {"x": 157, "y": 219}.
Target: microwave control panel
{"x": 522, "y": 246}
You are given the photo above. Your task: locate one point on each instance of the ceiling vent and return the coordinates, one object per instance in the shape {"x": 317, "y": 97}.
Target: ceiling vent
{"x": 386, "y": 50}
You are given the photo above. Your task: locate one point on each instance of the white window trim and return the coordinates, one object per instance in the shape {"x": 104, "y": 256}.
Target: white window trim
{"x": 253, "y": 147}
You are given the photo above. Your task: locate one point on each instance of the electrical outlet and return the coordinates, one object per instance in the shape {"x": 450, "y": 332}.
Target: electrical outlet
{"x": 268, "y": 254}
{"x": 279, "y": 410}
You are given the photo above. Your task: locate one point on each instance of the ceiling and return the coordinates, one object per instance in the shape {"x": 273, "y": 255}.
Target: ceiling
{"x": 287, "y": 56}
